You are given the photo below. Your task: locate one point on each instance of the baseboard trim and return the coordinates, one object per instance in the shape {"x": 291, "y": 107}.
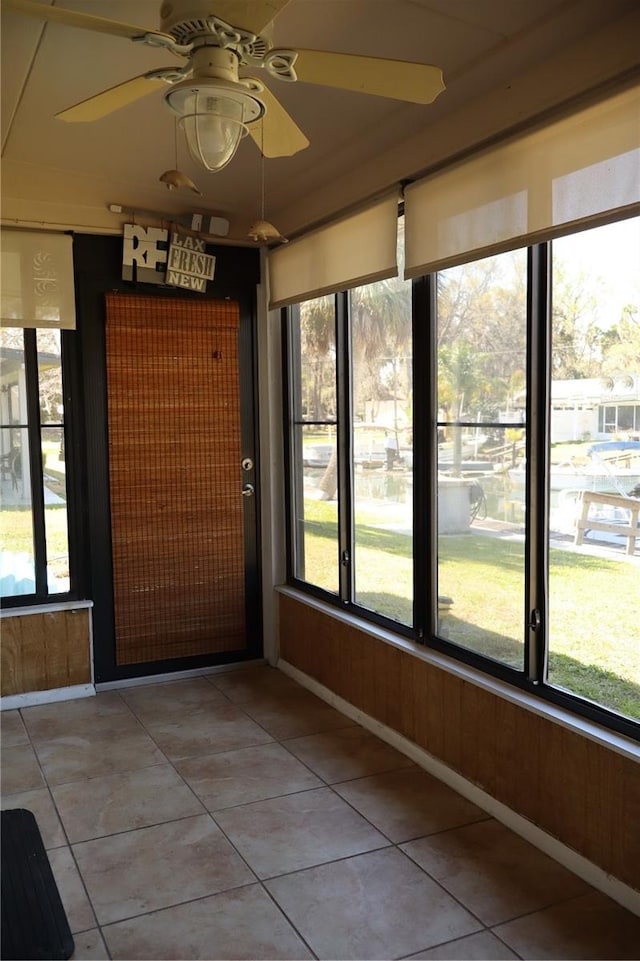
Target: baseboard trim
{"x": 11, "y": 702}
{"x": 177, "y": 675}
{"x": 585, "y": 869}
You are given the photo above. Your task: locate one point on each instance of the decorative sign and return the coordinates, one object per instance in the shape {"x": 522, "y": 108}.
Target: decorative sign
{"x": 189, "y": 266}
{"x": 151, "y": 256}
{"x": 144, "y": 254}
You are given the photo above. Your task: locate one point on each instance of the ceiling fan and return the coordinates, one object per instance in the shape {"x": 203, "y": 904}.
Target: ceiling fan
{"x": 215, "y": 104}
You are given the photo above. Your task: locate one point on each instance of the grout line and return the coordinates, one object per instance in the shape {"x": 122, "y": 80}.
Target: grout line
{"x": 281, "y": 742}
{"x": 288, "y": 920}
{"x": 177, "y": 904}
{"x": 502, "y": 941}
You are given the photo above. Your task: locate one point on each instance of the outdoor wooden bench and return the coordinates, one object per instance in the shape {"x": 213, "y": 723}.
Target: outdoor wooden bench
{"x": 631, "y": 504}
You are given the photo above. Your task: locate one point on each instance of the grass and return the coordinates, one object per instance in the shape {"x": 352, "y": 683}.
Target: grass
{"x": 594, "y": 638}
{"x": 16, "y": 532}
{"x": 16, "y": 535}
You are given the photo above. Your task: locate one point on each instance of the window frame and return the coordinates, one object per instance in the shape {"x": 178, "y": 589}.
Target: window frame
{"x": 74, "y": 481}
{"x": 532, "y": 678}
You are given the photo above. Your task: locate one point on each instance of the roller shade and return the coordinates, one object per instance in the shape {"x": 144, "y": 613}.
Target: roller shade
{"x": 354, "y": 250}
{"x": 576, "y": 172}
{"x": 36, "y": 279}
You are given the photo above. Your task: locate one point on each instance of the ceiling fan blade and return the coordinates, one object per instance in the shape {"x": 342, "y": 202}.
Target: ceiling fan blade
{"x": 398, "y": 79}
{"x": 73, "y": 18}
{"x": 277, "y": 134}
{"x": 253, "y": 15}
{"x": 109, "y": 100}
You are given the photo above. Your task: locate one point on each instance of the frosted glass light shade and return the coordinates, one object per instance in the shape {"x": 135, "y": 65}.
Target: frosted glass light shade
{"x": 213, "y": 119}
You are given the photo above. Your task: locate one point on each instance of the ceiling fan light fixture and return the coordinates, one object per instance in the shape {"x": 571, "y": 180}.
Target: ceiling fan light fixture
{"x": 212, "y": 139}
{"x": 214, "y": 118}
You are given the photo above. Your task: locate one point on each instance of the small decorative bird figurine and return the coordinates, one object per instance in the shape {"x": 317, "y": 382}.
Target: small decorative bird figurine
{"x": 175, "y": 178}
{"x": 263, "y": 232}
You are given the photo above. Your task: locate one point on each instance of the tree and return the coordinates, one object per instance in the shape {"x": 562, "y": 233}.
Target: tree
{"x": 381, "y": 339}
{"x": 577, "y": 335}
{"x": 621, "y": 344}
{"x": 317, "y": 344}
{"x": 481, "y": 336}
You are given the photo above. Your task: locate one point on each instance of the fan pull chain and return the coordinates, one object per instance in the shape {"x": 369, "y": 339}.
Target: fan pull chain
{"x": 262, "y": 217}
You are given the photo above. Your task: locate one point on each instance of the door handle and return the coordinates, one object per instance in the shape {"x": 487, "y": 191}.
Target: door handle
{"x": 248, "y": 490}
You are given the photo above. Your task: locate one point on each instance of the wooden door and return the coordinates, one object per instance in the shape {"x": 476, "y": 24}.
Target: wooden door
{"x": 178, "y": 521}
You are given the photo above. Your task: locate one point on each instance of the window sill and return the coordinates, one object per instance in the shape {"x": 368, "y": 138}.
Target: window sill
{"x": 573, "y": 722}
{"x": 45, "y": 608}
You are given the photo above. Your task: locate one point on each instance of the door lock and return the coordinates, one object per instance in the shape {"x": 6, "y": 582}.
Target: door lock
{"x": 247, "y": 463}
{"x": 248, "y": 490}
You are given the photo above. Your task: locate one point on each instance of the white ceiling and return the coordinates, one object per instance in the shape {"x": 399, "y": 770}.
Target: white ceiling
{"x": 503, "y": 61}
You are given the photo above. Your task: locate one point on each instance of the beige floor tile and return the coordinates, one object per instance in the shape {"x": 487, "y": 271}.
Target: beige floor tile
{"x": 20, "y": 770}
{"x": 99, "y": 806}
{"x": 250, "y": 774}
{"x": 345, "y": 754}
{"x": 103, "y": 715}
{"x": 72, "y": 891}
{"x": 493, "y": 872}
{"x": 293, "y": 832}
{"x": 156, "y": 867}
{"x": 253, "y": 683}
{"x": 42, "y": 807}
{"x": 483, "y": 946}
{"x": 408, "y": 803}
{"x": 157, "y": 701}
{"x": 79, "y": 756}
{"x": 221, "y": 727}
{"x": 89, "y": 946}
{"x": 377, "y": 905}
{"x": 294, "y": 715}
{"x": 586, "y": 928}
{"x": 239, "y": 924}
{"x": 12, "y": 729}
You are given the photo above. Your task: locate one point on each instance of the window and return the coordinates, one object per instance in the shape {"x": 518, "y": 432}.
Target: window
{"x": 481, "y": 333}
{"x": 381, "y": 375}
{"x": 34, "y": 533}
{"x": 613, "y": 418}
{"x": 594, "y": 589}
{"x": 338, "y": 529}
{"x": 468, "y": 420}
{"x": 314, "y": 444}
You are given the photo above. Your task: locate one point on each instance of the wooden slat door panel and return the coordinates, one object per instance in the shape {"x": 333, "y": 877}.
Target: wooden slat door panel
{"x": 175, "y": 477}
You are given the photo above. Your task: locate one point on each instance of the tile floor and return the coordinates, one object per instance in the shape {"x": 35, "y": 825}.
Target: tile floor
{"x": 238, "y": 816}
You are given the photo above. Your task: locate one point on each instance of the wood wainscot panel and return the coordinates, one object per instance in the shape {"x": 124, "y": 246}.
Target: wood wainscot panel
{"x": 45, "y": 651}
{"x": 629, "y": 845}
{"x": 578, "y": 791}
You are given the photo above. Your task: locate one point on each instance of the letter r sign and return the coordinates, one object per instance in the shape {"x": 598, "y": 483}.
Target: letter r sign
{"x": 144, "y": 254}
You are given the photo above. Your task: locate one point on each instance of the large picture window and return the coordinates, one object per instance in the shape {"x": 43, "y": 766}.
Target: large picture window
{"x": 471, "y": 478}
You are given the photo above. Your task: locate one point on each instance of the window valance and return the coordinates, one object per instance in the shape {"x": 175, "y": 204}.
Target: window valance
{"x": 357, "y": 249}
{"x": 575, "y": 172}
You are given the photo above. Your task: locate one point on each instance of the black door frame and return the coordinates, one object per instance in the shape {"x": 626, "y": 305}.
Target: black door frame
{"x": 98, "y": 269}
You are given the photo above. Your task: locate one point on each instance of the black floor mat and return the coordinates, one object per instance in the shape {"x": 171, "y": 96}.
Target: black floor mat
{"x": 34, "y": 925}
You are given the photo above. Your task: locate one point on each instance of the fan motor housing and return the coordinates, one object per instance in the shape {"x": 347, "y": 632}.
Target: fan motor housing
{"x": 194, "y": 21}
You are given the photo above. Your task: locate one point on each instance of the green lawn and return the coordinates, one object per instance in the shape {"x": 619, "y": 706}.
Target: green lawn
{"x": 16, "y": 535}
{"x": 594, "y": 637}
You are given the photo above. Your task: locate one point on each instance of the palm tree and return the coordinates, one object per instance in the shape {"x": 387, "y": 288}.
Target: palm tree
{"x": 318, "y": 341}
{"x": 381, "y": 337}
